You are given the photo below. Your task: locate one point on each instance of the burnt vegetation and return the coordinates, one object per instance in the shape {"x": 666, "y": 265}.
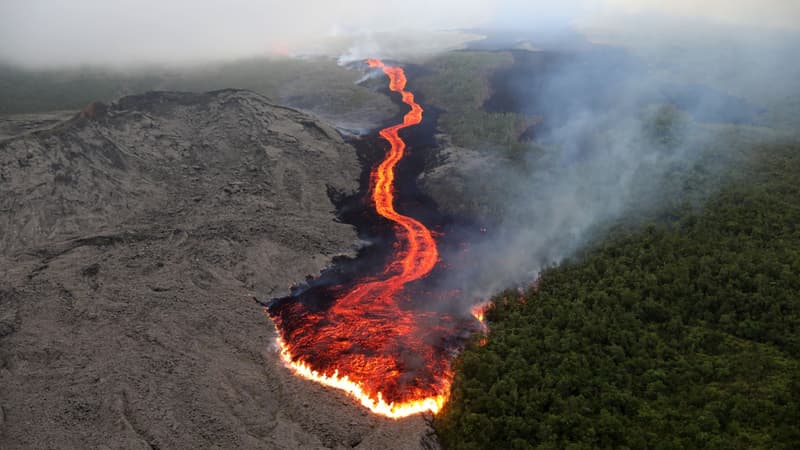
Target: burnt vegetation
{"x": 681, "y": 331}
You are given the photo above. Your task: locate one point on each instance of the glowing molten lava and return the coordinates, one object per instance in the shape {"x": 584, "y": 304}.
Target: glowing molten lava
{"x": 372, "y": 339}
{"x": 479, "y": 312}
{"x": 420, "y": 254}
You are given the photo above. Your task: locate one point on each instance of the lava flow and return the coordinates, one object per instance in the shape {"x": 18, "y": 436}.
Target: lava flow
{"x": 372, "y": 339}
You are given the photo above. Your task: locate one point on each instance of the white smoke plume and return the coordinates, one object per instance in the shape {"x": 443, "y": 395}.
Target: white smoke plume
{"x": 623, "y": 118}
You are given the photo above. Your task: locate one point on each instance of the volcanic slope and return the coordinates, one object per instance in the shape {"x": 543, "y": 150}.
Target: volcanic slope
{"x": 132, "y": 240}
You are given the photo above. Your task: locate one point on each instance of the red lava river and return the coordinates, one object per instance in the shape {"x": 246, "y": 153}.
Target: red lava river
{"x": 368, "y": 343}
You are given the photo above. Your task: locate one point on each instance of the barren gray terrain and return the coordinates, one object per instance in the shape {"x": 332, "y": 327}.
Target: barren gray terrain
{"x": 17, "y": 124}
{"x": 133, "y": 238}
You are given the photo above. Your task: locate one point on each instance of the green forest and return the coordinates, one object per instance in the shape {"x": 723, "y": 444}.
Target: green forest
{"x": 458, "y": 83}
{"x": 680, "y": 331}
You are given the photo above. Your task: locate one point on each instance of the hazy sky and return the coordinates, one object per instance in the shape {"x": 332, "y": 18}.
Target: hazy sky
{"x": 120, "y": 31}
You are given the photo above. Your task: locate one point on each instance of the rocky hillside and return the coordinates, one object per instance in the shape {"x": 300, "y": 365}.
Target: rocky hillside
{"x": 133, "y": 237}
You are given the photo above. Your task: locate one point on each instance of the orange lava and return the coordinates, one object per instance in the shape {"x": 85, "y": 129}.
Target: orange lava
{"x": 420, "y": 254}
{"x": 355, "y": 389}
{"x": 479, "y": 312}
{"x": 369, "y": 343}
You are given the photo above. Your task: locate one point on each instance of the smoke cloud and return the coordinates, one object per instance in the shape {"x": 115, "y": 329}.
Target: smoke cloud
{"x": 624, "y": 112}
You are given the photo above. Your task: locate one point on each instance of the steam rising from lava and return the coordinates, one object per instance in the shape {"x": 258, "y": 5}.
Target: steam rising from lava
{"x": 374, "y": 340}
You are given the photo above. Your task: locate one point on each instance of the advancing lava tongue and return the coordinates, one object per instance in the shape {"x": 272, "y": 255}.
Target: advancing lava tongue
{"x": 394, "y": 360}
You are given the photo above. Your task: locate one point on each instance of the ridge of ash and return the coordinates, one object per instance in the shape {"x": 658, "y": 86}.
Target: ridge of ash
{"x": 133, "y": 237}
{"x": 166, "y": 151}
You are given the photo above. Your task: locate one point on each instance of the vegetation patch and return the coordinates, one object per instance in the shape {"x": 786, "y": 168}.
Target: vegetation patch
{"x": 682, "y": 333}
{"x": 459, "y": 84}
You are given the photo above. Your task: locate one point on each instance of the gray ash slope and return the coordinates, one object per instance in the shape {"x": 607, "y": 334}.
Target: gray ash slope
{"x": 132, "y": 238}
{"x": 172, "y": 155}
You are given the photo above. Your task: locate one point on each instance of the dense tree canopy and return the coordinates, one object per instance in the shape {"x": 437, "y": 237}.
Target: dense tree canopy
{"x": 680, "y": 333}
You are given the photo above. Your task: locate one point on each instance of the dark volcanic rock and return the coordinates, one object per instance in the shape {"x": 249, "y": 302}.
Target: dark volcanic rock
{"x": 133, "y": 238}
{"x": 466, "y": 182}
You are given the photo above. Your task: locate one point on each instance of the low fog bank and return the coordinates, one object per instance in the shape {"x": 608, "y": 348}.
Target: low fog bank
{"x": 125, "y": 33}
{"x": 630, "y": 127}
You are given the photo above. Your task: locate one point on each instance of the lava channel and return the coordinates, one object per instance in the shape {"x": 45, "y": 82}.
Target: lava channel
{"x": 373, "y": 340}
